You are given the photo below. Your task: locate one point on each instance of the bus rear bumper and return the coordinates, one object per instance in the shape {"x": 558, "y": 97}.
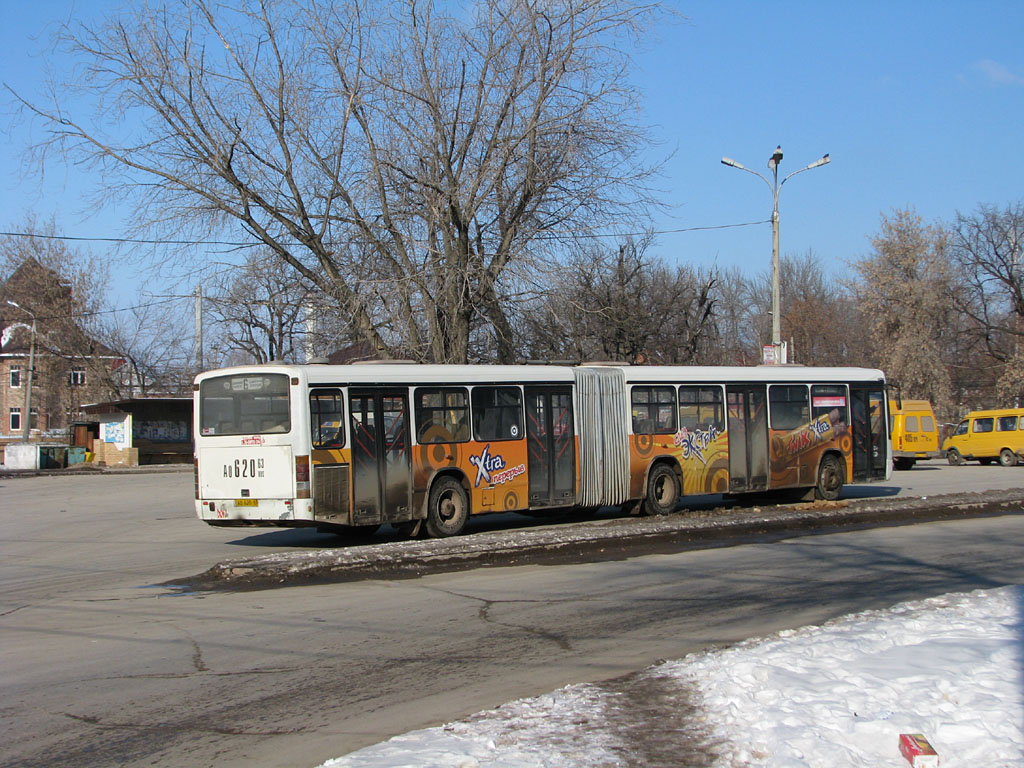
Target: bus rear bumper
{"x": 267, "y": 512}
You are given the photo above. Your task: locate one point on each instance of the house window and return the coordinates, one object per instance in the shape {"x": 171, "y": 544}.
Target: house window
{"x": 15, "y": 419}
{"x": 15, "y": 376}
{"x": 76, "y": 378}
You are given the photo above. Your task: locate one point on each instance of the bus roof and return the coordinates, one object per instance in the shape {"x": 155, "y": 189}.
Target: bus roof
{"x": 750, "y": 373}
{"x": 414, "y": 373}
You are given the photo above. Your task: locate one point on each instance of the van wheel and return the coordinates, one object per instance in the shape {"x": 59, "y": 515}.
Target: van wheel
{"x": 662, "y": 491}
{"x": 830, "y": 479}
{"x": 1007, "y": 458}
{"x": 448, "y": 508}
{"x": 953, "y": 457}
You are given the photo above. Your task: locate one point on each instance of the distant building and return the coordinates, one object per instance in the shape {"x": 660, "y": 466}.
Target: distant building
{"x": 70, "y": 367}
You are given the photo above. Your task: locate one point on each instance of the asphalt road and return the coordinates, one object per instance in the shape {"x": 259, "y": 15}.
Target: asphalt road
{"x": 100, "y": 667}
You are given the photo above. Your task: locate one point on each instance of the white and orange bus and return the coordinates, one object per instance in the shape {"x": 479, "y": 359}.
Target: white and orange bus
{"x": 426, "y": 446}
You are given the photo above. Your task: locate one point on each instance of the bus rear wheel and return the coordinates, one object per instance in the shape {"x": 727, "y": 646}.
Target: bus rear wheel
{"x": 830, "y": 479}
{"x": 662, "y": 491}
{"x": 1007, "y": 458}
{"x": 447, "y": 509}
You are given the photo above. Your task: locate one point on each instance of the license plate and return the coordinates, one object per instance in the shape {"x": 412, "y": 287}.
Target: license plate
{"x": 247, "y": 502}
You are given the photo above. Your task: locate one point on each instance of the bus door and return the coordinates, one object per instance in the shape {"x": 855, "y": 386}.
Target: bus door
{"x": 381, "y": 456}
{"x": 869, "y": 424}
{"x": 748, "y": 438}
{"x": 551, "y": 446}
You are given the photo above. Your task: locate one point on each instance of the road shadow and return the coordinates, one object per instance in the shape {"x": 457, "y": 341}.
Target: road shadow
{"x": 870, "y": 491}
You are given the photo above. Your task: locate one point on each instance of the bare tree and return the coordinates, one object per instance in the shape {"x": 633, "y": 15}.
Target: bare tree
{"x": 258, "y": 309}
{"x": 987, "y": 249}
{"x": 398, "y": 158}
{"x": 739, "y": 318}
{"x": 154, "y": 344}
{"x": 625, "y": 306}
{"x": 903, "y": 290}
{"x": 819, "y": 316}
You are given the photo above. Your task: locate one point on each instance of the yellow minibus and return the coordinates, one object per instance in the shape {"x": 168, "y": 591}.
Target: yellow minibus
{"x": 986, "y": 436}
{"x": 914, "y": 433}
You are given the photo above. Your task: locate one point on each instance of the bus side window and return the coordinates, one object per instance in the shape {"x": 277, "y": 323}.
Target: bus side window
{"x": 327, "y": 418}
{"x": 983, "y": 425}
{"x": 789, "y": 405}
{"x": 654, "y": 410}
{"x": 497, "y": 413}
{"x": 442, "y": 415}
{"x": 700, "y": 408}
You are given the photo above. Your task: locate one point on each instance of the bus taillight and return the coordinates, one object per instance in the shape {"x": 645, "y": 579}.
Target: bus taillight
{"x": 302, "y": 477}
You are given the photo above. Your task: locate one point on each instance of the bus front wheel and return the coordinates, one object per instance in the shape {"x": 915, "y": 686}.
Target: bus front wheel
{"x": 953, "y": 457}
{"x": 1007, "y": 458}
{"x": 662, "y": 491}
{"x": 448, "y": 508}
{"x": 830, "y": 479}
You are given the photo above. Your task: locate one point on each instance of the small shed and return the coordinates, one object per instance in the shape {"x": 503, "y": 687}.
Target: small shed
{"x": 153, "y": 430}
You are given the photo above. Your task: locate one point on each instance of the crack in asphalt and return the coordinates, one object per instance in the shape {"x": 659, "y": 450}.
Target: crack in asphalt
{"x": 172, "y": 728}
{"x": 484, "y": 614}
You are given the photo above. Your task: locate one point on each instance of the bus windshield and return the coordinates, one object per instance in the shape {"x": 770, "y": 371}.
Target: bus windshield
{"x": 244, "y": 404}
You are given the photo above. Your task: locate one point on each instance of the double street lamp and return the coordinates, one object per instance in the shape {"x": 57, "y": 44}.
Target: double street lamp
{"x": 26, "y": 424}
{"x": 776, "y": 186}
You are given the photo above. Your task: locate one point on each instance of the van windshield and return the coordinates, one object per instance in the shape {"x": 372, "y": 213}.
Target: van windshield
{"x": 244, "y": 404}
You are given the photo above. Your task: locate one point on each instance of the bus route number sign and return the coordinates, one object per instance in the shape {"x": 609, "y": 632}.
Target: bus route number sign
{"x": 244, "y": 468}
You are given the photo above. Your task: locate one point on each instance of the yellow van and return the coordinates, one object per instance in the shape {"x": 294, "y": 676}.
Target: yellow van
{"x": 914, "y": 433}
{"x": 987, "y": 436}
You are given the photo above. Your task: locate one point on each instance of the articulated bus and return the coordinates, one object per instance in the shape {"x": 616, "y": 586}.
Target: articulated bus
{"x": 423, "y": 447}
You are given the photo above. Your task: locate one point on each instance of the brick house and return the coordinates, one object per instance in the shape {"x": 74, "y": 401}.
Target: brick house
{"x": 71, "y": 368}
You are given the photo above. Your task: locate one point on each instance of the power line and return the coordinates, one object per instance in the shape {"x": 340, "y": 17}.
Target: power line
{"x": 237, "y": 244}
{"x": 93, "y": 313}
{"x": 132, "y": 240}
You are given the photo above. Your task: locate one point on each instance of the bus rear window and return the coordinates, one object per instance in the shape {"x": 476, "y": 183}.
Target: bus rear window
{"x": 245, "y": 404}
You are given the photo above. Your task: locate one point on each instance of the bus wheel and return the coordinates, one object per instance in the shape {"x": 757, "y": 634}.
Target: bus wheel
{"x": 830, "y": 479}
{"x": 1007, "y": 458}
{"x": 662, "y": 491}
{"x": 902, "y": 464}
{"x": 953, "y": 457}
{"x": 448, "y": 509}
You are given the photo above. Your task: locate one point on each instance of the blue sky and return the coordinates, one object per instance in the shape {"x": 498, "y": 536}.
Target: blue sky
{"x": 919, "y": 104}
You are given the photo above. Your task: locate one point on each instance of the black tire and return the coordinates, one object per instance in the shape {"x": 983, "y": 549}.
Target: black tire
{"x": 1007, "y": 458}
{"x": 448, "y": 509}
{"x": 954, "y": 458}
{"x": 902, "y": 463}
{"x": 662, "y": 491}
{"x": 830, "y": 479}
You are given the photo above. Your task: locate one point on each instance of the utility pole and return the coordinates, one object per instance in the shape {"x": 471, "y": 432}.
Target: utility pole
{"x": 776, "y": 186}
{"x": 199, "y": 328}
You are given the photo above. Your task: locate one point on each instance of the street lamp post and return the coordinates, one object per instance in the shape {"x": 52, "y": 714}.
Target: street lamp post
{"x": 26, "y": 425}
{"x": 776, "y": 186}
